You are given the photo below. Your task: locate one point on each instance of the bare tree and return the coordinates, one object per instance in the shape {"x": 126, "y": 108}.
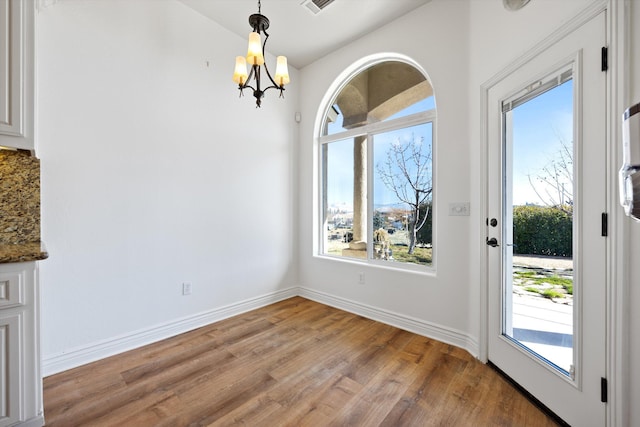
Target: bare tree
{"x": 554, "y": 184}
{"x": 407, "y": 173}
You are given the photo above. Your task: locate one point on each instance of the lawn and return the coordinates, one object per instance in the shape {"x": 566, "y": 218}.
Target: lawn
{"x": 544, "y": 283}
{"x": 420, "y": 255}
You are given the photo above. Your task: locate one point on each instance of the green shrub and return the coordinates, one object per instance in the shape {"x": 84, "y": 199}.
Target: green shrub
{"x": 425, "y": 234}
{"x": 541, "y": 230}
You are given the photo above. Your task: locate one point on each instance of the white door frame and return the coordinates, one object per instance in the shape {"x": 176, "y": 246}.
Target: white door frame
{"x": 617, "y": 309}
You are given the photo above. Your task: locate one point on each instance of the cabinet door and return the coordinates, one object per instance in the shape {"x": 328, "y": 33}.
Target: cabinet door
{"x": 10, "y": 68}
{"x": 16, "y": 73}
{"x": 11, "y": 289}
{"x": 10, "y": 387}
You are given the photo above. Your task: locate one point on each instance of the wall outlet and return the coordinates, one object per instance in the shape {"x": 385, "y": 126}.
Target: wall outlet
{"x": 186, "y": 288}
{"x": 361, "y": 278}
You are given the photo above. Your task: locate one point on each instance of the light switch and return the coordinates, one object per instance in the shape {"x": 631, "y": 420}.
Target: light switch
{"x": 459, "y": 209}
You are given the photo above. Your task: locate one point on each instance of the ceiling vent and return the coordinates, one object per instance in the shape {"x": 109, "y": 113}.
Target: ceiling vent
{"x": 315, "y": 6}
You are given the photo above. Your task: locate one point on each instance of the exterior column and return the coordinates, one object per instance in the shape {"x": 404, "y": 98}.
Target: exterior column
{"x": 358, "y": 246}
{"x": 360, "y": 189}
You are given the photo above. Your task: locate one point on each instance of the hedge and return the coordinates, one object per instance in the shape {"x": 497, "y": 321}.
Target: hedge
{"x": 541, "y": 230}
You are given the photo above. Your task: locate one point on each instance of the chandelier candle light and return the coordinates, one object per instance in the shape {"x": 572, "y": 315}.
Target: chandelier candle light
{"x": 255, "y": 57}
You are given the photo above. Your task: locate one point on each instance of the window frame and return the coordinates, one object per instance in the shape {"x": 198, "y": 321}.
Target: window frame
{"x": 370, "y": 130}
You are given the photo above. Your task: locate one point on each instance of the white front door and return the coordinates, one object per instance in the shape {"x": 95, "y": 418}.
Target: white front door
{"x": 546, "y": 250}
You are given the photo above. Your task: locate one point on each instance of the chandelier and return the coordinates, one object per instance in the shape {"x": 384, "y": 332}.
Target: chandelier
{"x": 255, "y": 58}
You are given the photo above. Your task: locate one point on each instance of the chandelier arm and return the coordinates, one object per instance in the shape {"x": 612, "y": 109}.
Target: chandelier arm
{"x": 246, "y": 82}
{"x": 264, "y": 44}
{"x": 281, "y": 89}
{"x": 274, "y": 85}
{"x": 246, "y": 86}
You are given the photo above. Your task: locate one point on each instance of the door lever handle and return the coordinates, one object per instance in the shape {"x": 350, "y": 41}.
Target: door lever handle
{"x": 493, "y": 242}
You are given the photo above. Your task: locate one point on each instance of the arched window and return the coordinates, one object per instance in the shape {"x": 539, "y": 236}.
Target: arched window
{"x": 376, "y": 143}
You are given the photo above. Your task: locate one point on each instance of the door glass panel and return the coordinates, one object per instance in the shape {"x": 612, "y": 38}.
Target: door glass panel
{"x": 538, "y": 220}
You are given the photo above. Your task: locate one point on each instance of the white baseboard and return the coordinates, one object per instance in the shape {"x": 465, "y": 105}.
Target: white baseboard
{"x": 418, "y": 326}
{"x": 37, "y": 421}
{"x": 52, "y": 364}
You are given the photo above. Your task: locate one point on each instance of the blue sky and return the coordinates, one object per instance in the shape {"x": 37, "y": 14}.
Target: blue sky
{"x": 420, "y": 135}
{"x": 340, "y": 165}
{"x": 538, "y": 127}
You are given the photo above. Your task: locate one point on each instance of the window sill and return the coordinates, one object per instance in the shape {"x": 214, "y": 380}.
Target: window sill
{"x": 408, "y": 268}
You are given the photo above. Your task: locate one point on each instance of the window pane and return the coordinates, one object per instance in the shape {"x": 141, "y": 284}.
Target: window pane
{"x": 403, "y": 195}
{"x": 338, "y": 196}
{"x": 376, "y": 186}
{"x": 385, "y": 91}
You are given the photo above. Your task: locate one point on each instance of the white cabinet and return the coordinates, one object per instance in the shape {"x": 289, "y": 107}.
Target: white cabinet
{"x": 20, "y": 377}
{"x": 17, "y": 73}
{"x": 9, "y": 373}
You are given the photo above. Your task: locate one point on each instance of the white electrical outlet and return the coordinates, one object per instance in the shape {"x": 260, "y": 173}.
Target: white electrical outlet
{"x": 186, "y": 288}
{"x": 361, "y": 278}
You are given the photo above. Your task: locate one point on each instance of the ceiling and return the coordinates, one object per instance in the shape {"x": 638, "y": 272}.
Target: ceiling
{"x": 296, "y": 32}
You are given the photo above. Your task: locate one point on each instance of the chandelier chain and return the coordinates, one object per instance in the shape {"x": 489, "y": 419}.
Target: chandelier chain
{"x": 259, "y": 6}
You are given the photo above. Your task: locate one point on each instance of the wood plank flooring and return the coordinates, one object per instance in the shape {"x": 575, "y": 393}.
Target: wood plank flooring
{"x": 293, "y": 363}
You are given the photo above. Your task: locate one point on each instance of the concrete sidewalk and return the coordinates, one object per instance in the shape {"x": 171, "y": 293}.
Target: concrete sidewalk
{"x": 540, "y": 324}
{"x": 545, "y": 327}
{"x": 545, "y": 262}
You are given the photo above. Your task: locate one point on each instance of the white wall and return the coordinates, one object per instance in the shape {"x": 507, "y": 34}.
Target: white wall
{"x": 497, "y": 38}
{"x": 461, "y": 45}
{"x": 634, "y": 236}
{"x": 154, "y": 172}
{"x": 145, "y": 171}
{"x": 440, "y": 46}
{"x": 490, "y": 52}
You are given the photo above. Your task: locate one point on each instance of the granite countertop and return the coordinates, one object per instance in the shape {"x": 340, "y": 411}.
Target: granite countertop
{"x": 19, "y": 197}
{"x": 22, "y": 252}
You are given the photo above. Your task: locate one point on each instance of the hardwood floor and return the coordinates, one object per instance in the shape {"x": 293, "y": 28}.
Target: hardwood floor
{"x": 293, "y": 363}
